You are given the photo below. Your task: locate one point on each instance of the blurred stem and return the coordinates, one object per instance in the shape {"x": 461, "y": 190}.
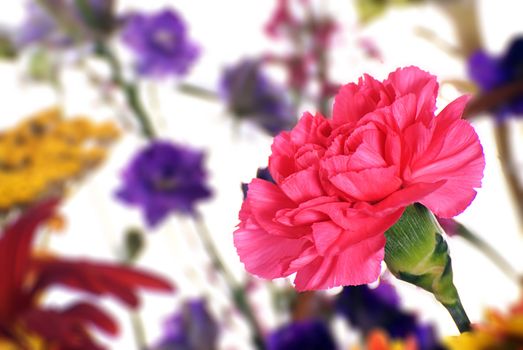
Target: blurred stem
{"x": 129, "y": 89}
{"x": 136, "y": 320}
{"x": 502, "y": 136}
{"x": 236, "y": 289}
{"x": 484, "y": 247}
{"x": 197, "y": 91}
{"x": 138, "y": 330}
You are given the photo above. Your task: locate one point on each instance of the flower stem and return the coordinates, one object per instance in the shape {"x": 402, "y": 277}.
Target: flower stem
{"x": 129, "y": 89}
{"x": 502, "y": 135}
{"x": 494, "y": 256}
{"x": 138, "y": 330}
{"x": 459, "y": 316}
{"x": 236, "y": 289}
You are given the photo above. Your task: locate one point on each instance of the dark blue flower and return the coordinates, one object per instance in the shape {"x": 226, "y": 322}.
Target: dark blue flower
{"x": 369, "y": 309}
{"x": 302, "y": 335}
{"x": 160, "y": 43}
{"x": 490, "y": 73}
{"x": 261, "y": 173}
{"x": 192, "y": 328}
{"x": 164, "y": 178}
{"x": 249, "y": 94}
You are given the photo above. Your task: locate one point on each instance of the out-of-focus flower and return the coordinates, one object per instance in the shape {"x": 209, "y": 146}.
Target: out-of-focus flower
{"x": 261, "y": 173}
{"x": 309, "y": 34}
{"x": 250, "y": 95}
{"x": 160, "y": 43}
{"x": 302, "y": 335}
{"x": 342, "y": 182}
{"x": 62, "y": 23}
{"x": 379, "y": 340}
{"x": 497, "y": 331}
{"x": 193, "y": 328}
{"x": 369, "y": 309}
{"x": 164, "y": 178}
{"x": 491, "y": 73}
{"x": 46, "y": 152}
{"x": 26, "y": 323}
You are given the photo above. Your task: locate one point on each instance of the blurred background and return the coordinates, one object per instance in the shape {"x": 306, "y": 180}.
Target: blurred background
{"x": 249, "y": 70}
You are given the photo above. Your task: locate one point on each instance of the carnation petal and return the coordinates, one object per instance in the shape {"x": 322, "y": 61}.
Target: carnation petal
{"x": 369, "y": 184}
{"x": 302, "y": 186}
{"x": 265, "y": 255}
{"x": 358, "y": 264}
{"x": 461, "y": 164}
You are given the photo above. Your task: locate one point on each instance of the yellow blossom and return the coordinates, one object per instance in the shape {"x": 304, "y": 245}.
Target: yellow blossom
{"x": 44, "y": 153}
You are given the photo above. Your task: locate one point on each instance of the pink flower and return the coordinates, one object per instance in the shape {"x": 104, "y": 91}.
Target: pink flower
{"x": 342, "y": 182}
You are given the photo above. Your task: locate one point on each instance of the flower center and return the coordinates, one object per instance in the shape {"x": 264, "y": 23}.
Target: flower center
{"x": 165, "y": 184}
{"x": 165, "y": 39}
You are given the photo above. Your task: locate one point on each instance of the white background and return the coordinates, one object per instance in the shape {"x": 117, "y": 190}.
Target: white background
{"x": 228, "y": 30}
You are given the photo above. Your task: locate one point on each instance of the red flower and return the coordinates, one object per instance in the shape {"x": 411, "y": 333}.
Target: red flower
{"x": 25, "y": 277}
{"x": 342, "y": 182}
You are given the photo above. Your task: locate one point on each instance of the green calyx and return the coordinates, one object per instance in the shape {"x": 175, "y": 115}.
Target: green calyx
{"x": 417, "y": 253}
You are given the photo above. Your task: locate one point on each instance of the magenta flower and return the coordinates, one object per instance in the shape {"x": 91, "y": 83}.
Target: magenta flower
{"x": 160, "y": 43}
{"x": 164, "y": 178}
{"x": 342, "y": 182}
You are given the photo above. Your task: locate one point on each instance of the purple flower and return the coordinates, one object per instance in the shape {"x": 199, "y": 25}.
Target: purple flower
{"x": 249, "y": 94}
{"x": 302, "y": 335}
{"x": 369, "y": 309}
{"x": 160, "y": 43}
{"x": 193, "y": 328}
{"x": 164, "y": 178}
{"x": 490, "y": 73}
{"x": 61, "y": 23}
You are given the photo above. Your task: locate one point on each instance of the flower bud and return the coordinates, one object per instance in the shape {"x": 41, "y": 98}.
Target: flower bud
{"x": 417, "y": 253}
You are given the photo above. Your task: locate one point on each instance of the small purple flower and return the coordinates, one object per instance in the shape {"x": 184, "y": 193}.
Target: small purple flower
{"x": 490, "y": 73}
{"x": 369, "y": 309}
{"x": 249, "y": 94}
{"x": 193, "y": 328}
{"x": 160, "y": 43}
{"x": 164, "y": 178}
{"x": 61, "y": 23}
{"x": 302, "y": 335}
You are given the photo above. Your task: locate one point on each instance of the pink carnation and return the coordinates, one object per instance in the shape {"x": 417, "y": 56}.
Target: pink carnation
{"x": 342, "y": 182}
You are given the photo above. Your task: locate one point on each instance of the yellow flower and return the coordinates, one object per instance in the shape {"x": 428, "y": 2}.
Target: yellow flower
{"x": 44, "y": 153}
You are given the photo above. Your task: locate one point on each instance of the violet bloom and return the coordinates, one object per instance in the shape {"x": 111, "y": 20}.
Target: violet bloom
{"x": 62, "y": 23}
{"x": 249, "y": 94}
{"x": 369, "y": 309}
{"x": 193, "y": 328}
{"x": 302, "y": 335}
{"x": 160, "y": 43}
{"x": 164, "y": 178}
{"x": 490, "y": 72}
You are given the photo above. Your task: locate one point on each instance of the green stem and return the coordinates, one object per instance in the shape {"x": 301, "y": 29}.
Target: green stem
{"x": 506, "y": 157}
{"x": 138, "y": 330}
{"x": 129, "y": 89}
{"x": 484, "y": 247}
{"x": 197, "y": 91}
{"x": 459, "y": 316}
{"x": 237, "y": 291}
